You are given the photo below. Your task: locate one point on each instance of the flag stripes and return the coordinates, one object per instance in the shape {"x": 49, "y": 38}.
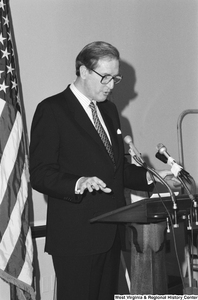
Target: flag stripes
{"x": 13, "y": 266}
{"x": 16, "y": 250}
{"x": 7, "y": 171}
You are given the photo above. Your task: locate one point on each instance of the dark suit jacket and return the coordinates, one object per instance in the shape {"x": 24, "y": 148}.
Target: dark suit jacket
{"x": 65, "y": 146}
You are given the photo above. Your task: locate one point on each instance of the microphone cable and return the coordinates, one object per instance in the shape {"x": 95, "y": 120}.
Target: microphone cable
{"x": 169, "y": 219}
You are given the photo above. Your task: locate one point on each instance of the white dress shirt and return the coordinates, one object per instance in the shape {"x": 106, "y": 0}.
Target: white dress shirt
{"x": 84, "y": 101}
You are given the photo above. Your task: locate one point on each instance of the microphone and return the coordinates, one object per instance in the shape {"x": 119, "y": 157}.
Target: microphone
{"x": 161, "y": 157}
{"x": 165, "y": 157}
{"x": 138, "y": 158}
{"x": 133, "y": 151}
{"x": 179, "y": 172}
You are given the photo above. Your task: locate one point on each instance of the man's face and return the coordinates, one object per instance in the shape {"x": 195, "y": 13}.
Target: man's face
{"x": 94, "y": 89}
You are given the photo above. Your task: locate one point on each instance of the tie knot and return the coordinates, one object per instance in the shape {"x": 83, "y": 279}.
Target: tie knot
{"x": 92, "y": 105}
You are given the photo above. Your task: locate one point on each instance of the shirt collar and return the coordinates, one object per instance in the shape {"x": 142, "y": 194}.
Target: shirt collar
{"x": 81, "y": 97}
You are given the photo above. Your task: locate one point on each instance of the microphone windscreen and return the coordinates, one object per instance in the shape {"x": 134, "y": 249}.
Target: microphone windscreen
{"x": 128, "y": 139}
{"x": 159, "y": 146}
{"x": 161, "y": 157}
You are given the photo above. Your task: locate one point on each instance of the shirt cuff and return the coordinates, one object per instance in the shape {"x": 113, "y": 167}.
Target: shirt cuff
{"x": 77, "y": 191}
{"x": 149, "y": 178}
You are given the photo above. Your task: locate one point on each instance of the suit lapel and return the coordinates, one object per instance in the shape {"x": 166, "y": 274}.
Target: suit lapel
{"x": 85, "y": 123}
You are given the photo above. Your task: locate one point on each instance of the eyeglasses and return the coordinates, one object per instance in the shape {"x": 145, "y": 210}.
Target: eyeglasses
{"x": 105, "y": 79}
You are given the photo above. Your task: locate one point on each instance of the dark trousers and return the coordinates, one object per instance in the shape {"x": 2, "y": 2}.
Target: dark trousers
{"x": 93, "y": 277}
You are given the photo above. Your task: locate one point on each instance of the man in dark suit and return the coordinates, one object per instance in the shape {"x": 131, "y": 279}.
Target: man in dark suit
{"x": 83, "y": 176}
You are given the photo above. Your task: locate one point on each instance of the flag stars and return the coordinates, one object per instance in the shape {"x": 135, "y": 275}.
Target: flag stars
{"x": 2, "y": 39}
{"x": 2, "y": 4}
{"x": 6, "y": 21}
{"x": 1, "y": 73}
{"x": 5, "y": 53}
{"x": 3, "y": 87}
{"x": 14, "y": 84}
{"x": 10, "y": 69}
{"x": 9, "y": 36}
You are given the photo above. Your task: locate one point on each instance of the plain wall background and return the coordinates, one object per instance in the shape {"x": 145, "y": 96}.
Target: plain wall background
{"x": 158, "y": 43}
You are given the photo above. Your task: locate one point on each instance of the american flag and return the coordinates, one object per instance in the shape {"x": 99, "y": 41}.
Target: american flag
{"x": 16, "y": 250}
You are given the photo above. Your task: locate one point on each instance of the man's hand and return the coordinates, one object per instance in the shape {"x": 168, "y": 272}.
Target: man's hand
{"x": 91, "y": 184}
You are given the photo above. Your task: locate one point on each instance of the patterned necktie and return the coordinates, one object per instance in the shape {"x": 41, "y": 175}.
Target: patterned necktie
{"x": 101, "y": 131}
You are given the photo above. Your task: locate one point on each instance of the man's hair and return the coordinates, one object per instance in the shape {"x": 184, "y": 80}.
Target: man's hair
{"x": 91, "y": 53}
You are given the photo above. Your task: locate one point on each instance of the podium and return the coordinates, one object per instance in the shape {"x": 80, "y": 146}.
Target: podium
{"x": 147, "y": 221}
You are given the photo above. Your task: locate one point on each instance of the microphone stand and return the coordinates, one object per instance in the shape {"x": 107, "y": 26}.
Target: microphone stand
{"x": 189, "y": 227}
{"x": 153, "y": 172}
{"x": 192, "y": 198}
{"x": 172, "y": 195}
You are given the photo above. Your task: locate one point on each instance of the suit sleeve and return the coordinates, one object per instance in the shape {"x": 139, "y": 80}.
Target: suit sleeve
{"x": 135, "y": 178}
{"x": 46, "y": 175}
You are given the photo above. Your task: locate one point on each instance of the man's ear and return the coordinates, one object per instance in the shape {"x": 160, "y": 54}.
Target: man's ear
{"x": 83, "y": 72}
